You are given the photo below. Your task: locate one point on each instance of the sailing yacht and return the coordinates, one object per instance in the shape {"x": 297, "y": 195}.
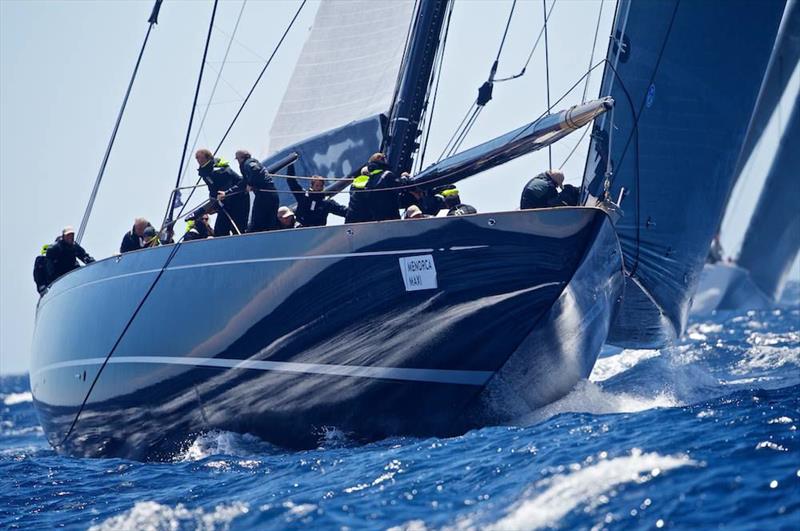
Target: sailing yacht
{"x": 424, "y": 327}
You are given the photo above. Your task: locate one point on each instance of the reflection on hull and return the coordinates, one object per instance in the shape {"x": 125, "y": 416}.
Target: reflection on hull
{"x": 287, "y": 333}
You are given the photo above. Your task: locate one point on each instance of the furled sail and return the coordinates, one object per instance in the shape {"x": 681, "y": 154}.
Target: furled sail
{"x": 526, "y": 139}
{"x": 772, "y": 240}
{"x": 344, "y": 79}
{"x": 685, "y": 79}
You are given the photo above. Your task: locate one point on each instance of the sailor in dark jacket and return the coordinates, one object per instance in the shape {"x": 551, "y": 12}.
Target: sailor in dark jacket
{"x": 223, "y": 181}
{"x": 384, "y": 202}
{"x": 452, "y": 200}
{"x": 358, "y": 209}
{"x": 135, "y": 239}
{"x": 258, "y": 180}
{"x": 313, "y": 205}
{"x": 198, "y": 229}
{"x": 429, "y": 203}
{"x": 542, "y": 190}
{"x": 63, "y": 256}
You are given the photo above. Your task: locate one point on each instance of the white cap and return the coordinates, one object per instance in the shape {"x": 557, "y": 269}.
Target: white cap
{"x": 285, "y": 212}
{"x": 69, "y": 229}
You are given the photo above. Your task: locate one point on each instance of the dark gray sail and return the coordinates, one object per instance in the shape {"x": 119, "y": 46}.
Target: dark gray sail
{"x": 685, "y": 77}
{"x": 772, "y": 240}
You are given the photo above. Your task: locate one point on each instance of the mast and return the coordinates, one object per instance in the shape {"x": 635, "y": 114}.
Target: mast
{"x": 414, "y": 78}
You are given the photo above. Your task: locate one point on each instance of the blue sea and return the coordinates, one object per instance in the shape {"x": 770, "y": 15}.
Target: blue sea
{"x": 700, "y": 435}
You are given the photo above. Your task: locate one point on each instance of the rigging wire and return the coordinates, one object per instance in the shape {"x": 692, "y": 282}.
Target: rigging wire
{"x": 153, "y": 20}
{"x": 586, "y": 85}
{"x": 249, "y": 94}
{"x": 594, "y": 46}
{"x": 547, "y": 71}
{"x": 214, "y": 90}
{"x": 530, "y": 55}
{"x": 171, "y": 205}
{"x": 429, "y": 115}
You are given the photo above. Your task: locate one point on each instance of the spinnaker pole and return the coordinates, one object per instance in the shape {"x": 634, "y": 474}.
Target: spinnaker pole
{"x": 153, "y": 20}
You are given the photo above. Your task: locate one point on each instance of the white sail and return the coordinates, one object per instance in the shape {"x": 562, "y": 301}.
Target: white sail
{"x": 347, "y": 69}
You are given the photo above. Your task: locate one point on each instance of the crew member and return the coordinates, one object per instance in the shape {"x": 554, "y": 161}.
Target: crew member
{"x": 542, "y": 190}
{"x": 265, "y": 206}
{"x": 414, "y": 212}
{"x": 227, "y": 189}
{"x": 313, "y": 205}
{"x": 135, "y": 239}
{"x": 358, "y": 209}
{"x": 63, "y": 255}
{"x": 382, "y": 198}
{"x": 198, "y": 229}
{"x": 452, "y": 200}
{"x": 40, "y": 275}
{"x": 286, "y": 218}
{"x": 569, "y": 195}
{"x": 428, "y": 203}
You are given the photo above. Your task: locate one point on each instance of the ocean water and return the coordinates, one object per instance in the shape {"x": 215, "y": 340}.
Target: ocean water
{"x": 701, "y": 435}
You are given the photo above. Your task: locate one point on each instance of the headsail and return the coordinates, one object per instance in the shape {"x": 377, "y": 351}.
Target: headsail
{"x": 685, "y": 85}
{"x": 773, "y": 237}
{"x": 344, "y": 79}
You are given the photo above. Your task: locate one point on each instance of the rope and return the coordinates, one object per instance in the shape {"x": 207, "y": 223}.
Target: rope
{"x": 503, "y": 40}
{"x": 250, "y": 93}
{"x": 586, "y": 85}
{"x": 594, "y": 46}
{"x": 90, "y": 205}
{"x": 547, "y": 71}
{"x": 171, "y": 206}
{"x": 214, "y": 89}
{"x": 530, "y": 55}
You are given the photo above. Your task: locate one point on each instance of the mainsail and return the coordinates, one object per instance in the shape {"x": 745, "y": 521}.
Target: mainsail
{"x": 772, "y": 240}
{"x": 685, "y": 76}
{"x": 344, "y": 79}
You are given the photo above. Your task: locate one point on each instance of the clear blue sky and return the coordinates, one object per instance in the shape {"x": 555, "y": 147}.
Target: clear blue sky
{"x": 65, "y": 67}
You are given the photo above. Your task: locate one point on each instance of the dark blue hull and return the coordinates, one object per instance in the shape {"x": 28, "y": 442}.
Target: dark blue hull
{"x": 285, "y": 334}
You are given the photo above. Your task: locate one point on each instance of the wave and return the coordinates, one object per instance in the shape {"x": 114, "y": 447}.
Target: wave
{"x": 153, "y": 515}
{"x": 216, "y": 443}
{"x": 553, "y": 498}
{"x": 17, "y": 398}
{"x": 589, "y": 397}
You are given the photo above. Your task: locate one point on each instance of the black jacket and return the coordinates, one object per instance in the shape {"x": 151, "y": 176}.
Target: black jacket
{"x": 313, "y": 207}
{"x": 132, "y": 242}
{"x": 429, "y": 204}
{"x": 199, "y": 230}
{"x": 383, "y": 204}
{"x": 220, "y": 177}
{"x": 540, "y": 192}
{"x": 255, "y": 175}
{"x": 63, "y": 257}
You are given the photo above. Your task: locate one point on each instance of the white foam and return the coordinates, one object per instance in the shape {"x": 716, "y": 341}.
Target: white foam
{"x": 615, "y": 364}
{"x": 18, "y": 398}
{"x": 555, "y": 497}
{"x": 149, "y": 515}
{"x": 589, "y": 397}
{"x": 221, "y": 443}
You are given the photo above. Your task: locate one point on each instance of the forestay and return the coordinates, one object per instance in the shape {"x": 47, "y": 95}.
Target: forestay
{"x": 692, "y": 71}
